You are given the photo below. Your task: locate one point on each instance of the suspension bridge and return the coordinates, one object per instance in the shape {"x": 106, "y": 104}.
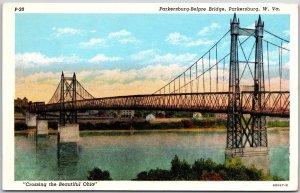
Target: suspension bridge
{"x": 241, "y": 75}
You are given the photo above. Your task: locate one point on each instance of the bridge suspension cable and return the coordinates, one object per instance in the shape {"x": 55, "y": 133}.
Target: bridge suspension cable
{"x": 56, "y": 96}
{"x": 192, "y": 71}
{"x": 186, "y": 76}
{"x": 276, "y": 36}
{"x": 68, "y": 87}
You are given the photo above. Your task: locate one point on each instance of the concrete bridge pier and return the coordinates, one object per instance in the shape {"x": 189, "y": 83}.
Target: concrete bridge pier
{"x": 31, "y": 120}
{"x": 42, "y": 127}
{"x": 67, "y": 148}
{"x": 256, "y": 156}
{"x": 68, "y": 133}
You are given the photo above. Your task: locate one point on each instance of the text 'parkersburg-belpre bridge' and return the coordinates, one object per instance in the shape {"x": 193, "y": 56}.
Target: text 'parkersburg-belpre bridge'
{"x": 212, "y": 9}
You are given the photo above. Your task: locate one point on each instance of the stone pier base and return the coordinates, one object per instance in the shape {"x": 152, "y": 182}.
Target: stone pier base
{"x": 256, "y": 156}
{"x": 42, "y": 127}
{"x": 31, "y": 121}
{"x": 68, "y": 133}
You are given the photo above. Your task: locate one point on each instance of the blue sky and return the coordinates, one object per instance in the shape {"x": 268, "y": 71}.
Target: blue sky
{"x": 99, "y": 46}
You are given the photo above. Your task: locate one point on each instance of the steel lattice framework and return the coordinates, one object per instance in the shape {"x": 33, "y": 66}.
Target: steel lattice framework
{"x": 195, "y": 89}
{"x": 274, "y": 104}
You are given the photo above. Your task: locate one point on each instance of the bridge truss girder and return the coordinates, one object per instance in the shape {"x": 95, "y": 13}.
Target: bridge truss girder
{"x": 275, "y": 103}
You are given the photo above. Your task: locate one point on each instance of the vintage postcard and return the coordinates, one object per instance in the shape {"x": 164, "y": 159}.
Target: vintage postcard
{"x": 150, "y": 96}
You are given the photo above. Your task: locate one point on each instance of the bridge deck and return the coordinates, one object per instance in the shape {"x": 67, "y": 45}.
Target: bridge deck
{"x": 273, "y": 103}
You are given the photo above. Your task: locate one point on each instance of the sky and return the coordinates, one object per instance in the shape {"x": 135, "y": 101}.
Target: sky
{"x": 123, "y": 54}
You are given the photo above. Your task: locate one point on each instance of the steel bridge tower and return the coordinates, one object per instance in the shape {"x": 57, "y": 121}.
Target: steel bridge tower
{"x": 246, "y": 135}
{"x": 67, "y": 94}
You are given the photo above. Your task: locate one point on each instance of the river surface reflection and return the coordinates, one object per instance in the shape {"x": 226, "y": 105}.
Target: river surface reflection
{"x": 125, "y": 154}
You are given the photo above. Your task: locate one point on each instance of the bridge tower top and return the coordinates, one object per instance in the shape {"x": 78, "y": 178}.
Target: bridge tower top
{"x": 234, "y": 25}
{"x": 259, "y": 27}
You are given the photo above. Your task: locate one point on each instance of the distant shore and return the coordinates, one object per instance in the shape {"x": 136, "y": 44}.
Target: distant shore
{"x": 53, "y": 131}
{"x": 162, "y": 124}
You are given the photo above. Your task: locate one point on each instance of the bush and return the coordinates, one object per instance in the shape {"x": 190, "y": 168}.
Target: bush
{"x": 278, "y": 124}
{"x": 180, "y": 170}
{"x": 187, "y": 123}
{"x": 211, "y": 176}
{"x": 232, "y": 169}
{"x": 98, "y": 174}
{"x": 157, "y": 174}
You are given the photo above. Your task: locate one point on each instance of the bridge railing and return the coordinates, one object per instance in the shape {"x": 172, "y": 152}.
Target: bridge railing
{"x": 206, "y": 102}
{"x": 274, "y": 103}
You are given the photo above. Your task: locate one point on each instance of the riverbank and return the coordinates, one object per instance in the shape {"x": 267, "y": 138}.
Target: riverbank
{"x": 165, "y": 124}
{"x": 52, "y": 131}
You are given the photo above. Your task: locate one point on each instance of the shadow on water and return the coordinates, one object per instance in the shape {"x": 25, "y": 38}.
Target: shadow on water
{"x": 67, "y": 159}
{"x": 42, "y": 144}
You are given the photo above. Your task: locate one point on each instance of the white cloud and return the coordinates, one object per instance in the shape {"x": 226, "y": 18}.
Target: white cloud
{"x": 58, "y": 32}
{"x": 199, "y": 42}
{"x": 130, "y": 40}
{"x": 173, "y": 58}
{"x": 123, "y": 37}
{"x": 251, "y": 26}
{"x": 118, "y": 34}
{"x": 209, "y": 28}
{"x": 100, "y": 58}
{"x": 143, "y": 54}
{"x": 286, "y": 45}
{"x": 150, "y": 73}
{"x": 92, "y": 42}
{"x": 176, "y": 38}
{"x": 39, "y": 76}
{"x": 93, "y": 31}
{"x": 35, "y": 59}
{"x": 115, "y": 75}
{"x": 286, "y": 33}
{"x": 152, "y": 56}
{"x": 161, "y": 72}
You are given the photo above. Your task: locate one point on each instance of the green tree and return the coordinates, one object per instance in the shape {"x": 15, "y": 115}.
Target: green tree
{"x": 98, "y": 174}
{"x": 180, "y": 170}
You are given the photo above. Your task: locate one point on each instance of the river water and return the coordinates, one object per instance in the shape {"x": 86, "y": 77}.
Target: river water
{"x": 124, "y": 154}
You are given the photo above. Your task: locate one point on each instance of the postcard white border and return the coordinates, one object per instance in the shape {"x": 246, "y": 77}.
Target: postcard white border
{"x": 8, "y": 74}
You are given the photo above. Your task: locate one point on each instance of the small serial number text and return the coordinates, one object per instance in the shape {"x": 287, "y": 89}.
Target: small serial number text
{"x": 19, "y": 9}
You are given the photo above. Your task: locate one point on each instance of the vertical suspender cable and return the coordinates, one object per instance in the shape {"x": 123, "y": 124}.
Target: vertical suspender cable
{"x": 179, "y": 84}
{"x": 203, "y": 74}
{"x": 184, "y": 82}
{"x": 174, "y": 86}
{"x": 268, "y": 66}
{"x": 268, "y": 58}
{"x": 197, "y": 83}
{"x": 209, "y": 71}
{"x": 191, "y": 84}
{"x": 281, "y": 63}
{"x": 223, "y": 73}
{"x": 279, "y": 66}
{"x": 263, "y": 70}
{"x": 217, "y": 68}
